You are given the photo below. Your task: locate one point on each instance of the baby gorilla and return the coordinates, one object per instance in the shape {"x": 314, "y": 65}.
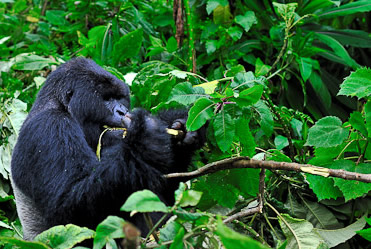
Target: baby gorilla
{"x": 56, "y": 175}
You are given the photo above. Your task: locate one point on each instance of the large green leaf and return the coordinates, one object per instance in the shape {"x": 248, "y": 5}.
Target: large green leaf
{"x": 347, "y": 9}
{"x": 357, "y": 121}
{"x": 305, "y": 67}
{"x": 212, "y": 4}
{"x": 111, "y": 228}
{"x": 185, "y": 94}
{"x": 246, "y": 138}
{"x": 352, "y": 189}
{"x": 144, "y": 201}
{"x": 299, "y": 233}
{"x": 266, "y": 117}
{"x": 200, "y": 112}
{"x": 247, "y": 20}
{"x": 368, "y": 117}
{"x": 250, "y": 96}
{"x": 31, "y": 62}
{"x": 224, "y": 130}
{"x": 234, "y": 240}
{"x": 335, "y": 237}
{"x": 128, "y": 46}
{"x": 18, "y": 243}
{"x": 61, "y": 237}
{"x": 327, "y": 132}
{"x": 357, "y": 84}
{"x": 338, "y": 49}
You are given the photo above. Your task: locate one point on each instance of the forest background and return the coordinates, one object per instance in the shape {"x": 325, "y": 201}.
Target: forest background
{"x": 284, "y": 86}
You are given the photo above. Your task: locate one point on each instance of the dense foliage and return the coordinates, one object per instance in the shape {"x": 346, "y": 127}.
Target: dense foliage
{"x": 268, "y": 77}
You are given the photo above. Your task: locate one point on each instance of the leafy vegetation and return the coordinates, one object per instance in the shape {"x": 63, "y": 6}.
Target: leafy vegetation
{"x": 267, "y": 76}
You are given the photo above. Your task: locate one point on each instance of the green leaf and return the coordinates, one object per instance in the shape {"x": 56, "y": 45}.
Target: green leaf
{"x": 266, "y": 117}
{"x": 366, "y": 233}
{"x": 347, "y": 9}
{"x": 178, "y": 240}
{"x": 56, "y": 17}
{"x": 338, "y": 49}
{"x": 222, "y": 15}
{"x": 144, "y": 201}
{"x": 31, "y": 62}
{"x": 234, "y": 240}
{"x": 321, "y": 89}
{"x": 368, "y": 117}
{"x": 250, "y": 96}
{"x": 235, "y": 33}
{"x": 190, "y": 198}
{"x": 245, "y": 180}
{"x": 319, "y": 215}
{"x": 358, "y": 123}
{"x": 224, "y": 130}
{"x": 260, "y": 68}
{"x": 246, "y": 138}
{"x": 212, "y": 4}
{"x": 299, "y": 233}
{"x": 18, "y": 243}
{"x": 327, "y": 132}
{"x": 61, "y": 237}
{"x": 211, "y": 46}
{"x": 305, "y": 67}
{"x": 335, "y": 237}
{"x": 352, "y": 189}
{"x": 324, "y": 188}
{"x": 179, "y": 74}
{"x": 281, "y": 142}
{"x": 357, "y": 84}
{"x": 169, "y": 232}
{"x": 247, "y": 20}
{"x": 171, "y": 45}
{"x": 200, "y": 112}
{"x": 209, "y": 87}
{"x": 108, "y": 230}
{"x": 128, "y": 46}
{"x": 185, "y": 94}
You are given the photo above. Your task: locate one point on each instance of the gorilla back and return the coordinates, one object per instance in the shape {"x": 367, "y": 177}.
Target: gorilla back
{"x": 56, "y": 176}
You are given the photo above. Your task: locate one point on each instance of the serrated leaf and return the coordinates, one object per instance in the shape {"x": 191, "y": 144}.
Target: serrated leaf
{"x": 60, "y": 237}
{"x": 247, "y": 20}
{"x": 223, "y": 130}
{"x": 357, "y": 84}
{"x": 352, "y": 189}
{"x": 250, "y": 96}
{"x": 234, "y": 240}
{"x": 368, "y": 117}
{"x": 18, "y": 243}
{"x": 323, "y": 188}
{"x": 111, "y": 228}
{"x": 358, "y": 123}
{"x": 200, "y": 112}
{"x": 335, "y": 237}
{"x": 327, "y": 132}
{"x": 299, "y": 233}
{"x": 144, "y": 201}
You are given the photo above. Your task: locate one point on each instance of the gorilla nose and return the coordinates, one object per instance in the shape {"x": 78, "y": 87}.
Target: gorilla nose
{"x": 120, "y": 110}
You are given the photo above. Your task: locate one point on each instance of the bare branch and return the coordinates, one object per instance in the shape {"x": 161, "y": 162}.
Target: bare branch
{"x": 244, "y": 162}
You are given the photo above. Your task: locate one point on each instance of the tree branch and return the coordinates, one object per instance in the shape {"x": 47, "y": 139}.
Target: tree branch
{"x": 244, "y": 162}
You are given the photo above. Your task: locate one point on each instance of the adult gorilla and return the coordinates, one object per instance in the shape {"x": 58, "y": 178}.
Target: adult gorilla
{"x": 56, "y": 175}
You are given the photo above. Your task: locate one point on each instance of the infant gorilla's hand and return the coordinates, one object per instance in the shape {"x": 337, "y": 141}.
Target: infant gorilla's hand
{"x": 185, "y": 138}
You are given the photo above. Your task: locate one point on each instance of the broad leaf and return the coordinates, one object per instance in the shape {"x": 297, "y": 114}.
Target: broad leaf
{"x": 18, "y": 243}
{"x": 247, "y": 20}
{"x": 327, "y": 132}
{"x": 212, "y": 4}
{"x": 299, "y": 233}
{"x": 31, "y": 62}
{"x": 250, "y": 96}
{"x": 357, "y": 122}
{"x": 60, "y": 237}
{"x": 335, "y": 237}
{"x": 199, "y": 114}
{"x": 223, "y": 130}
{"x": 185, "y": 94}
{"x": 347, "y": 9}
{"x": 111, "y": 228}
{"x": 305, "y": 67}
{"x": 357, "y": 84}
{"x": 128, "y": 46}
{"x": 144, "y": 201}
{"x": 233, "y": 240}
{"x": 266, "y": 117}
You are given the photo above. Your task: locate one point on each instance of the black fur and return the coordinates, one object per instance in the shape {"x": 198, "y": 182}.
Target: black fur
{"x": 56, "y": 175}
